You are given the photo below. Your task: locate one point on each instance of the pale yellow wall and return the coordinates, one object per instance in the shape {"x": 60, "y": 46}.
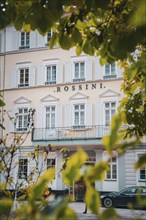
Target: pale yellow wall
{"x": 35, "y": 94}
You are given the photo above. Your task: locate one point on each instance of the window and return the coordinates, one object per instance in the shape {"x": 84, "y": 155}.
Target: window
{"x": 51, "y": 74}
{"x": 22, "y": 123}
{"x": 50, "y": 117}
{"x": 22, "y": 169}
{"x": 131, "y": 190}
{"x": 24, "y": 40}
{"x": 79, "y": 115}
{"x": 48, "y": 37}
{"x": 142, "y": 174}
{"x": 110, "y": 110}
{"x": 112, "y": 173}
{"x": 110, "y": 71}
{"x": 79, "y": 72}
{"x": 23, "y": 77}
{"x": 51, "y": 162}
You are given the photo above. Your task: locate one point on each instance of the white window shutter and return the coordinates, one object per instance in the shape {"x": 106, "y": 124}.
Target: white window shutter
{"x": 99, "y": 119}
{"x": 119, "y": 71}
{"x": 88, "y": 115}
{"x": 88, "y": 67}
{"x": 12, "y": 120}
{"x": 41, "y": 75}
{"x": 58, "y": 116}
{"x": 33, "y": 39}
{"x": 40, "y": 117}
{"x": 59, "y": 73}
{"x": 14, "y": 78}
{"x": 32, "y": 76}
{"x": 19, "y": 39}
{"x": 99, "y": 70}
{"x": 14, "y": 41}
{"x": 68, "y": 117}
{"x": 40, "y": 40}
{"x": 99, "y": 113}
{"x": 68, "y": 72}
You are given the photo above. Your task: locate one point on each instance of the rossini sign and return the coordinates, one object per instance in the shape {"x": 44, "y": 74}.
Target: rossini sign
{"x": 77, "y": 87}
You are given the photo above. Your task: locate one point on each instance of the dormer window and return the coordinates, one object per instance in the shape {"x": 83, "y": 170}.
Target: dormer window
{"x": 79, "y": 72}
{"x": 24, "y": 40}
{"x": 49, "y": 35}
{"x": 110, "y": 71}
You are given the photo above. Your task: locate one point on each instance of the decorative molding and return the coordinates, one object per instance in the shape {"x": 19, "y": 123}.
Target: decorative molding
{"x": 22, "y": 100}
{"x": 78, "y": 95}
{"x": 109, "y": 93}
{"x": 49, "y": 98}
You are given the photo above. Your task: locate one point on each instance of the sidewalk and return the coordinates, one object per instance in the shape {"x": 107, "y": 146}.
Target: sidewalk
{"x": 126, "y": 214}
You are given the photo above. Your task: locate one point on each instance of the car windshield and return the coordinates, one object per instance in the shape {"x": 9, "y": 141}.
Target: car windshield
{"x": 129, "y": 190}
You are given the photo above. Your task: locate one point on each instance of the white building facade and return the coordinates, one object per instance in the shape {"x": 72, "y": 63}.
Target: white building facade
{"x": 74, "y": 98}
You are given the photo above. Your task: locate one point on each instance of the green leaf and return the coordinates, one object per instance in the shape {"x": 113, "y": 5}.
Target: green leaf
{"x": 5, "y": 206}
{"x": 102, "y": 61}
{"x": 78, "y": 49}
{"x": 94, "y": 42}
{"x": 37, "y": 189}
{"x": 141, "y": 162}
{"x": 53, "y": 40}
{"x": 114, "y": 138}
{"x": 92, "y": 200}
{"x": 99, "y": 168}
{"x": 2, "y": 103}
{"x": 65, "y": 41}
{"x": 65, "y": 212}
{"x": 76, "y": 36}
{"x": 109, "y": 213}
{"x": 72, "y": 171}
{"x": 80, "y": 25}
{"x": 87, "y": 47}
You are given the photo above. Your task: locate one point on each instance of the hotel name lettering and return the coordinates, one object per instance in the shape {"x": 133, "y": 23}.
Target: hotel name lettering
{"x": 77, "y": 87}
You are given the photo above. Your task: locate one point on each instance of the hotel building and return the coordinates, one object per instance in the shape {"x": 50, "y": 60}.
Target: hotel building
{"x": 74, "y": 99}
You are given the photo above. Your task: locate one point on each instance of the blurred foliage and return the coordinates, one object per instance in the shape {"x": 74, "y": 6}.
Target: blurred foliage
{"x": 72, "y": 171}
{"x": 114, "y": 30}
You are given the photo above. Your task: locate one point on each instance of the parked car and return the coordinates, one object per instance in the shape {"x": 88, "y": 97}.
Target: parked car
{"x": 124, "y": 197}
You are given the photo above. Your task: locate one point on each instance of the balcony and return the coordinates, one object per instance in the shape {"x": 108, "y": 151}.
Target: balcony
{"x": 69, "y": 133}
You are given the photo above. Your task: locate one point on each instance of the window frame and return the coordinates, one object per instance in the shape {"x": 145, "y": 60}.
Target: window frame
{"x": 22, "y": 115}
{"x": 50, "y": 113}
{"x": 79, "y": 78}
{"x": 24, "y": 69}
{"x": 51, "y": 81}
{"x": 110, "y": 111}
{"x": 23, "y": 166}
{"x": 110, "y": 172}
{"x": 110, "y": 75}
{"x": 53, "y": 163}
{"x": 24, "y": 40}
{"x": 141, "y": 170}
{"x": 48, "y": 37}
{"x": 79, "y": 111}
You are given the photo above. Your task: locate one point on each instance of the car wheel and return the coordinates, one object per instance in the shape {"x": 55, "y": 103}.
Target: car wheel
{"x": 107, "y": 202}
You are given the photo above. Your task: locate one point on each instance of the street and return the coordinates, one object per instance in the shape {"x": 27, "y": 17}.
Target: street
{"x": 123, "y": 213}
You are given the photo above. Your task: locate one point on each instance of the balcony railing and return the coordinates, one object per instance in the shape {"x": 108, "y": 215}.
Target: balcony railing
{"x": 69, "y": 133}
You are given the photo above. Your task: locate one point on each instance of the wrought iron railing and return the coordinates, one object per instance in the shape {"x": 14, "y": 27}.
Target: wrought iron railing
{"x": 69, "y": 133}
